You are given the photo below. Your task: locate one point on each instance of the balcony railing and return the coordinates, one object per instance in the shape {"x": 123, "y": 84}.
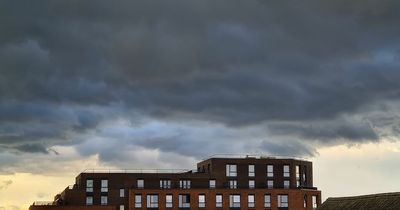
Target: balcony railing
{"x": 256, "y": 156}
{"x": 140, "y": 171}
{"x": 43, "y": 203}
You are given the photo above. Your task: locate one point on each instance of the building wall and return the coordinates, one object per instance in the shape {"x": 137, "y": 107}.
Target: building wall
{"x": 72, "y": 207}
{"x": 214, "y": 168}
{"x": 296, "y": 198}
{"x": 217, "y": 166}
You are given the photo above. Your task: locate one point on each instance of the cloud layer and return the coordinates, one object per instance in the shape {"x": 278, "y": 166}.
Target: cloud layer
{"x": 195, "y": 78}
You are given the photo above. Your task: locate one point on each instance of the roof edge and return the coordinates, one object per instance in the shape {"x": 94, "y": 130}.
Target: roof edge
{"x": 364, "y": 196}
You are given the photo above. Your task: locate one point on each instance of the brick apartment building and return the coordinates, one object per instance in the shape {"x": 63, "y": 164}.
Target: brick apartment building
{"x": 219, "y": 183}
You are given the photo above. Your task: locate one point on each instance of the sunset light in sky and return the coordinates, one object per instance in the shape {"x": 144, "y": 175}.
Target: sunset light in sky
{"x": 144, "y": 84}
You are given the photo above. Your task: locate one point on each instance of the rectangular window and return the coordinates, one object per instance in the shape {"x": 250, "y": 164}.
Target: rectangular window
{"x": 232, "y": 184}
{"x": 267, "y": 201}
{"x": 297, "y": 176}
{"x": 184, "y": 201}
{"x": 314, "y": 202}
{"x": 138, "y": 201}
{"x": 252, "y": 184}
{"x": 270, "y": 184}
{"x": 212, "y": 183}
{"x": 152, "y": 201}
{"x": 231, "y": 170}
{"x": 89, "y": 185}
{"x": 140, "y": 183}
{"x": 283, "y": 201}
{"x": 286, "y": 171}
{"x": 168, "y": 201}
{"x": 104, "y": 200}
{"x": 104, "y": 185}
{"x": 202, "y": 201}
{"x": 234, "y": 201}
{"x": 252, "y": 171}
{"x": 165, "y": 184}
{"x": 218, "y": 201}
{"x": 121, "y": 192}
{"x": 304, "y": 176}
{"x": 286, "y": 184}
{"x": 250, "y": 201}
{"x": 89, "y": 200}
{"x": 305, "y": 201}
{"x": 270, "y": 170}
{"x": 184, "y": 184}
{"x": 121, "y": 207}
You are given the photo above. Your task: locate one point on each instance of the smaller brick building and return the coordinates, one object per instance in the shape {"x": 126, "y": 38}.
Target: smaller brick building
{"x": 219, "y": 183}
{"x": 383, "y": 201}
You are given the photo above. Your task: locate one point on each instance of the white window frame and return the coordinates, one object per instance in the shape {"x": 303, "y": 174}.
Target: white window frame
{"x": 121, "y": 207}
{"x": 103, "y": 200}
{"x": 89, "y": 185}
{"x": 298, "y": 176}
{"x": 270, "y": 170}
{"x": 185, "y": 184}
{"x": 252, "y": 170}
{"x": 267, "y": 201}
{"x": 251, "y": 201}
{"x": 314, "y": 202}
{"x": 152, "y": 201}
{"x": 212, "y": 183}
{"x": 234, "y": 201}
{"x": 283, "y": 201}
{"x": 286, "y": 171}
{"x": 183, "y": 204}
{"x": 270, "y": 184}
{"x": 305, "y": 201}
{"x": 231, "y": 170}
{"x": 104, "y": 185}
{"x": 140, "y": 183}
{"x": 202, "y": 201}
{"x": 218, "y": 201}
{"x": 232, "y": 184}
{"x": 121, "y": 192}
{"x": 165, "y": 184}
{"x": 286, "y": 184}
{"x": 89, "y": 200}
{"x": 169, "y": 201}
{"x": 252, "y": 184}
{"x": 138, "y": 200}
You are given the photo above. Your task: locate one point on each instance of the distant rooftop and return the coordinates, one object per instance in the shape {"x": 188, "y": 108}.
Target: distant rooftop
{"x": 383, "y": 201}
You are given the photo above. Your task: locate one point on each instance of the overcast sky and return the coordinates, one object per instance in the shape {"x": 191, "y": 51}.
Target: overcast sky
{"x": 100, "y": 84}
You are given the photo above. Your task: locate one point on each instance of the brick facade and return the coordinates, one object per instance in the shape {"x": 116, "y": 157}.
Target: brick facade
{"x": 121, "y": 188}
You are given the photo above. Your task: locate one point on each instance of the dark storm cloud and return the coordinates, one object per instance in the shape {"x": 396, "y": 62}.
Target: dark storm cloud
{"x": 354, "y": 130}
{"x": 36, "y": 126}
{"x": 31, "y": 148}
{"x": 291, "y": 148}
{"x": 67, "y": 67}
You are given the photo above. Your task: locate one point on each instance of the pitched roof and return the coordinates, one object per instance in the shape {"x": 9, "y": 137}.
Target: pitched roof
{"x": 384, "y": 201}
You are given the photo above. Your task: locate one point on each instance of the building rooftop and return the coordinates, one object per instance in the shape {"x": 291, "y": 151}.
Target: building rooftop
{"x": 254, "y": 156}
{"x": 383, "y": 201}
{"x": 180, "y": 171}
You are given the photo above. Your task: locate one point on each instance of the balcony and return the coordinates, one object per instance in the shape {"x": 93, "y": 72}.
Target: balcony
{"x": 254, "y": 156}
{"x": 140, "y": 171}
{"x": 43, "y": 203}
